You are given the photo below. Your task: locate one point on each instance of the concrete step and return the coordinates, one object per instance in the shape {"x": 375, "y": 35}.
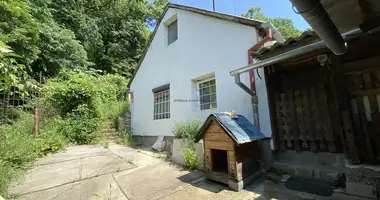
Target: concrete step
{"x": 321, "y": 165}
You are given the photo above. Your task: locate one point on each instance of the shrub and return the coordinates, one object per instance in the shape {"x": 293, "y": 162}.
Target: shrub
{"x": 84, "y": 99}
{"x": 81, "y": 131}
{"x": 187, "y": 129}
{"x": 19, "y": 147}
{"x": 125, "y": 138}
{"x": 190, "y": 157}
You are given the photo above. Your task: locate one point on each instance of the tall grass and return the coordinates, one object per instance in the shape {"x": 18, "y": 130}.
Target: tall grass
{"x": 19, "y": 148}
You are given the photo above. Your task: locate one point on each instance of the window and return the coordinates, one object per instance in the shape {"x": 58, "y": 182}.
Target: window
{"x": 172, "y": 32}
{"x": 207, "y": 94}
{"x": 162, "y": 104}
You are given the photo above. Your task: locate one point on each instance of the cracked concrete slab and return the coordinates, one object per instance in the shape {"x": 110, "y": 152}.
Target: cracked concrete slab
{"x": 99, "y": 165}
{"x": 73, "y": 153}
{"x": 99, "y": 188}
{"x": 47, "y": 176}
{"x": 61, "y": 172}
{"x": 133, "y": 155}
{"x": 155, "y": 181}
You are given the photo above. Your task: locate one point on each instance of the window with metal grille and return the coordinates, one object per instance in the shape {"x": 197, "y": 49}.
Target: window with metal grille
{"x": 172, "y": 32}
{"x": 162, "y": 105}
{"x": 207, "y": 94}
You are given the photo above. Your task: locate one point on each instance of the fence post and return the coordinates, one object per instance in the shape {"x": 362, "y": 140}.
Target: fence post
{"x": 35, "y": 121}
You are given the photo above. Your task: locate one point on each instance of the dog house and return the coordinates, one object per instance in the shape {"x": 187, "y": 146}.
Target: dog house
{"x": 231, "y": 150}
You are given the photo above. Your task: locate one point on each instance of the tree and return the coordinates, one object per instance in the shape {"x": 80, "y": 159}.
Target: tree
{"x": 13, "y": 74}
{"x": 19, "y": 30}
{"x": 284, "y": 25}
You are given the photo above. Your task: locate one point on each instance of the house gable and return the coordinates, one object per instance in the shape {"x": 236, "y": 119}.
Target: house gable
{"x": 167, "y": 17}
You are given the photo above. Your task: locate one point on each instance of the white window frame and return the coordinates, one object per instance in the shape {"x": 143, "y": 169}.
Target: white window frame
{"x": 161, "y": 104}
{"x": 209, "y": 94}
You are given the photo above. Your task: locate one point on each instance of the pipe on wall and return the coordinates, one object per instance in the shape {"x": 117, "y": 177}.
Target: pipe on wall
{"x": 292, "y": 53}
{"x": 252, "y": 90}
{"x": 317, "y": 17}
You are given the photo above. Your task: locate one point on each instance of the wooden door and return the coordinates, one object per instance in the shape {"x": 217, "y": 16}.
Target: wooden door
{"x": 304, "y": 110}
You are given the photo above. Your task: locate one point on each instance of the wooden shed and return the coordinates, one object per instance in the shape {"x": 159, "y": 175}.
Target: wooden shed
{"x": 231, "y": 150}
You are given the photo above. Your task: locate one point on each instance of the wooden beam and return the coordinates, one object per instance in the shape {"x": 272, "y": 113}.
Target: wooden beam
{"x": 228, "y": 146}
{"x": 368, "y": 25}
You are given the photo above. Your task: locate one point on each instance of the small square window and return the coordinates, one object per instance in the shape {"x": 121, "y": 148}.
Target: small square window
{"x": 172, "y": 32}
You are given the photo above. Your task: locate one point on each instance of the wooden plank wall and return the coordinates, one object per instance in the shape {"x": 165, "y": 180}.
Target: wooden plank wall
{"x": 304, "y": 119}
{"x": 216, "y": 138}
{"x": 365, "y": 96}
{"x": 247, "y": 156}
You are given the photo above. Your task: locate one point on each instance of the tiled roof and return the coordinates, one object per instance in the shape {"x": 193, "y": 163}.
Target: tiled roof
{"x": 291, "y": 43}
{"x": 240, "y": 129}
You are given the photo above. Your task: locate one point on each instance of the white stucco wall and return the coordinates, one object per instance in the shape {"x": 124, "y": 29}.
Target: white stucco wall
{"x": 204, "y": 45}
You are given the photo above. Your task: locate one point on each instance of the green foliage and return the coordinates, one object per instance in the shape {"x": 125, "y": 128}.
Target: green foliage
{"x": 19, "y": 147}
{"x": 85, "y": 99}
{"x": 187, "y": 129}
{"x": 125, "y": 138}
{"x": 111, "y": 111}
{"x": 59, "y": 50}
{"x": 19, "y": 30}
{"x": 190, "y": 157}
{"x": 284, "y": 25}
{"x": 155, "y": 11}
{"x": 81, "y": 130}
{"x": 13, "y": 74}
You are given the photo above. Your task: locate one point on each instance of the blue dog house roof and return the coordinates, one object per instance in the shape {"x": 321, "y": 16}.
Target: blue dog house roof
{"x": 239, "y": 129}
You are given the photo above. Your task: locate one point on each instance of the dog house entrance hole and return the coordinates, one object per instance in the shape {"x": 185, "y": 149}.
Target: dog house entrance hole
{"x": 219, "y": 161}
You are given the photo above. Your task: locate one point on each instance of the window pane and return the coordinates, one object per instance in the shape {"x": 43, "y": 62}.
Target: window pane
{"x": 172, "y": 32}
{"x": 212, "y": 82}
{"x": 213, "y": 89}
{"x": 167, "y": 107}
{"x": 205, "y": 91}
{"x": 213, "y": 98}
{"x": 206, "y": 99}
{"x": 213, "y": 106}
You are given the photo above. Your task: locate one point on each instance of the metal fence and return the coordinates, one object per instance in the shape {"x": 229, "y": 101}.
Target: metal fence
{"x": 13, "y": 102}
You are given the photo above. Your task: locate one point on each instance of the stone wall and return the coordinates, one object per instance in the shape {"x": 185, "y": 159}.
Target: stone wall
{"x": 124, "y": 122}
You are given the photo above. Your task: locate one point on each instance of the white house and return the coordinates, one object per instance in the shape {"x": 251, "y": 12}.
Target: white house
{"x": 184, "y": 72}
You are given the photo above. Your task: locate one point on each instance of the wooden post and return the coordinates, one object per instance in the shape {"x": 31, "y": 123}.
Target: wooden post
{"x": 342, "y": 111}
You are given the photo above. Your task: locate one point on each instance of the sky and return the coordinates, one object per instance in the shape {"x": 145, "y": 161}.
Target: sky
{"x": 271, "y": 8}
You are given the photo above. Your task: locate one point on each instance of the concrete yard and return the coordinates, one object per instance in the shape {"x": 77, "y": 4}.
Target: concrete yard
{"x": 94, "y": 172}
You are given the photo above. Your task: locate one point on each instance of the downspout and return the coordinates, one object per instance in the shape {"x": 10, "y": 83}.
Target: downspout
{"x": 255, "y": 102}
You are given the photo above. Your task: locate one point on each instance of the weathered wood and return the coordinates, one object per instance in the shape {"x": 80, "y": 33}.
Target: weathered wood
{"x": 271, "y": 80}
{"x": 360, "y": 66}
{"x": 280, "y": 129}
{"x": 354, "y": 84}
{"x": 349, "y": 141}
{"x": 300, "y": 119}
{"x": 292, "y": 120}
{"x": 218, "y": 136}
{"x": 221, "y": 145}
{"x": 208, "y": 160}
{"x": 231, "y": 165}
{"x": 317, "y": 123}
{"x": 369, "y": 86}
{"x": 214, "y": 127}
{"x": 325, "y": 111}
{"x": 309, "y": 129}
{"x": 366, "y": 92}
{"x": 288, "y": 137}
